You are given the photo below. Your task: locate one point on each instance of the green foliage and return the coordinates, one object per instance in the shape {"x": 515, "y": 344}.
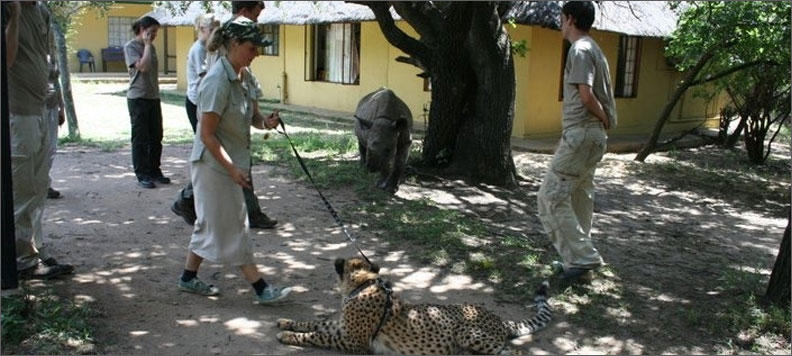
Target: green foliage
{"x": 752, "y": 36}
{"x": 63, "y": 11}
{"x": 43, "y": 323}
{"x": 520, "y": 48}
{"x": 737, "y": 32}
{"x": 180, "y": 7}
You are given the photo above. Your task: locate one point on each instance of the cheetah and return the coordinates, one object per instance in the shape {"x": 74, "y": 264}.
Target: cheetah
{"x": 374, "y": 321}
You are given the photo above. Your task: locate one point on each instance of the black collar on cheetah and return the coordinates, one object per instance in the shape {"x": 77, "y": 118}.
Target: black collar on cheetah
{"x": 326, "y": 202}
{"x": 386, "y": 287}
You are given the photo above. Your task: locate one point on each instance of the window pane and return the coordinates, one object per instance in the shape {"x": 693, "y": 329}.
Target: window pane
{"x": 271, "y": 33}
{"x": 119, "y": 30}
{"x": 337, "y": 53}
{"x": 627, "y": 66}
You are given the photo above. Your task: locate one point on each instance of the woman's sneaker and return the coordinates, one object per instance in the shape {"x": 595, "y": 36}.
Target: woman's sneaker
{"x": 198, "y": 286}
{"x": 271, "y": 295}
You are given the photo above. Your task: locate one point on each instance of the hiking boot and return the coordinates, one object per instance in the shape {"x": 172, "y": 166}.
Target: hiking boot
{"x": 42, "y": 271}
{"x": 573, "y": 274}
{"x": 162, "y": 179}
{"x": 272, "y": 295}
{"x": 198, "y": 286}
{"x": 146, "y": 183}
{"x": 51, "y": 262}
{"x": 185, "y": 209}
{"x": 261, "y": 221}
{"x": 53, "y": 194}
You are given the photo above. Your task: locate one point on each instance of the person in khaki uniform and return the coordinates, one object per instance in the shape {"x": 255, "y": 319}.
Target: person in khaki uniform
{"x": 566, "y": 197}
{"x": 220, "y": 163}
{"x": 28, "y": 37}
{"x": 184, "y": 204}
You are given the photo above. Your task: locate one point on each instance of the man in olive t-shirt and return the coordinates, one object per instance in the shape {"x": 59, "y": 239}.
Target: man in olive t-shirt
{"x": 28, "y": 36}
{"x": 566, "y": 197}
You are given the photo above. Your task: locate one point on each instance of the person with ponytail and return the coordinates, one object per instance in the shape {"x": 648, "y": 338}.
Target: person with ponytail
{"x": 143, "y": 102}
{"x": 184, "y": 205}
{"x": 220, "y": 163}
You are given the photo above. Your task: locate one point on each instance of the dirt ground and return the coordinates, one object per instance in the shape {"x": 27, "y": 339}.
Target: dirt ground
{"x": 129, "y": 249}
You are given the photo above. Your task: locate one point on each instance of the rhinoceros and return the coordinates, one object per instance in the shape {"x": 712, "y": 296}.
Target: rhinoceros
{"x": 383, "y": 128}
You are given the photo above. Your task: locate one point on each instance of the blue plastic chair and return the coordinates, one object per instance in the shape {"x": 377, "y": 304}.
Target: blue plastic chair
{"x": 85, "y": 56}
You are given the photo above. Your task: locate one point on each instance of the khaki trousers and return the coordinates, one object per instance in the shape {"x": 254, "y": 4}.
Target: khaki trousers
{"x": 52, "y": 114}
{"x": 566, "y": 198}
{"x": 30, "y": 173}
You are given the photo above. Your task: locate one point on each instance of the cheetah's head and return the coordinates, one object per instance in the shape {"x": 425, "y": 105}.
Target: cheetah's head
{"x": 354, "y": 272}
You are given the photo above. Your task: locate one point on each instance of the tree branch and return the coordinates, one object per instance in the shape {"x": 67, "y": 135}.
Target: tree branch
{"x": 423, "y": 16}
{"x": 738, "y": 68}
{"x": 784, "y": 117}
{"x": 396, "y": 36}
{"x": 413, "y": 61}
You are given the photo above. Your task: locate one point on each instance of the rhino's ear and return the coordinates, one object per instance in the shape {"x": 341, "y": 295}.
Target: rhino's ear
{"x": 339, "y": 266}
{"x": 363, "y": 122}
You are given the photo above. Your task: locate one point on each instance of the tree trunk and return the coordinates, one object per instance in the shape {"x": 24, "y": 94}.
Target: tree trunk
{"x": 735, "y": 136}
{"x": 778, "y": 290}
{"x": 450, "y": 100}
{"x": 755, "y": 133}
{"x": 483, "y": 146}
{"x": 65, "y": 76}
{"x": 452, "y": 82}
{"x": 651, "y": 144}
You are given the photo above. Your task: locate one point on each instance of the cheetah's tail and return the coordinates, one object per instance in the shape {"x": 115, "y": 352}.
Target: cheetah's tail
{"x": 539, "y": 321}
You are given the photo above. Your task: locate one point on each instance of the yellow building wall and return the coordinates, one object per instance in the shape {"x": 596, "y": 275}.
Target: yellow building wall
{"x": 377, "y": 69}
{"x": 285, "y": 73}
{"x": 538, "y": 108}
{"x": 538, "y": 76}
{"x": 269, "y": 70}
{"x": 184, "y": 38}
{"x": 92, "y": 34}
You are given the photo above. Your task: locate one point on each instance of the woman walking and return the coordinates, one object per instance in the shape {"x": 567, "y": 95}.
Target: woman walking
{"x": 220, "y": 162}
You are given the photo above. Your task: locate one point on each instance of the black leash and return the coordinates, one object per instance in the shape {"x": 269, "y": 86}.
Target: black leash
{"x": 326, "y": 202}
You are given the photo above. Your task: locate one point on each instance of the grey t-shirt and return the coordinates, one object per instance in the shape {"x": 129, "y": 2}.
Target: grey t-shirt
{"x": 27, "y": 78}
{"x": 142, "y": 85}
{"x": 222, "y": 92}
{"x": 586, "y": 64}
{"x": 196, "y": 66}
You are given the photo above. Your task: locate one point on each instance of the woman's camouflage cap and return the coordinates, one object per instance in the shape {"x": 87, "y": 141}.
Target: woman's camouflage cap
{"x": 243, "y": 29}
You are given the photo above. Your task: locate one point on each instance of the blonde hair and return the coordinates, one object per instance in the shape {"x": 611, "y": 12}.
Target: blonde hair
{"x": 216, "y": 39}
{"x": 206, "y": 21}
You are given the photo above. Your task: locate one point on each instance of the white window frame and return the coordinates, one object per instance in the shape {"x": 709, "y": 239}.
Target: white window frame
{"x": 628, "y": 67}
{"x": 119, "y": 30}
{"x": 343, "y": 41}
{"x": 272, "y": 33}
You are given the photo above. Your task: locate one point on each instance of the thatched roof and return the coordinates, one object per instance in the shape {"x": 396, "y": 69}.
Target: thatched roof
{"x": 277, "y": 12}
{"x": 637, "y": 18}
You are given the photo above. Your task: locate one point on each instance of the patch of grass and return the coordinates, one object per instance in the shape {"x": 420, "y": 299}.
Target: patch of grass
{"x": 451, "y": 239}
{"x": 327, "y": 157}
{"x": 742, "y": 317}
{"x": 42, "y": 323}
{"x": 106, "y": 145}
{"x": 724, "y": 174}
